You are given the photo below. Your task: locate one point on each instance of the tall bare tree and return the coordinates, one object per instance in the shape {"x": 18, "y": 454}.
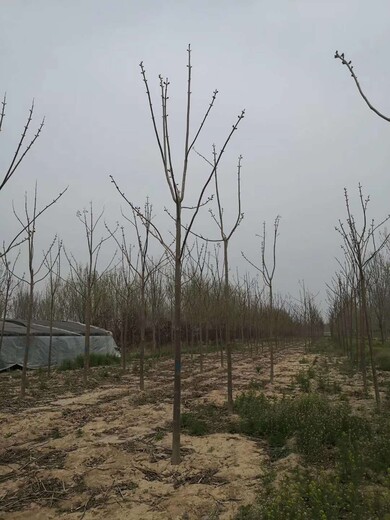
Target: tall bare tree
{"x": 28, "y": 223}
{"x": 89, "y": 277}
{"x": 53, "y": 265}
{"x": 268, "y": 276}
{"x": 225, "y": 237}
{"x": 177, "y": 188}
{"x": 356, "y": 246}
{"x": 142, "y": 268}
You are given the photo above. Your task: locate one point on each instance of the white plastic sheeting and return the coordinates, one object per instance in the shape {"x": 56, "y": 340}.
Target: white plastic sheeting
{"x": 66, "y": 344}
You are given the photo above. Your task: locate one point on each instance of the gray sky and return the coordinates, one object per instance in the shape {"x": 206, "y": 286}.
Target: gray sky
{"x": 305, "y": 136}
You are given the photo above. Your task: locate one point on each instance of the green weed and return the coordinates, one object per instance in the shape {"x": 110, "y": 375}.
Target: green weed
{"x": 326, "y": 386}
{"x": 95, "y": 360}
{"x": 382, "y": 359}
{"x": 193, "y": 424}
{"x": 303, "y": 380}
{"x": 321, "y": 496}
{"x": 207, "y": 418}
{"x": 314, "y": 422}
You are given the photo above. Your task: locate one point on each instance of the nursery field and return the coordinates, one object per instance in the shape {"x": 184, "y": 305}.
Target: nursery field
{"x": 104, "y": 452}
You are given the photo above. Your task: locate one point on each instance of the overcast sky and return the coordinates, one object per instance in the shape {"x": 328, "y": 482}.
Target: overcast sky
{"x": 306, "y": 134}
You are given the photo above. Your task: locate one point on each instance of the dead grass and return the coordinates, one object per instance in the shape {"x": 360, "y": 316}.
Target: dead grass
{"x": 104, "y": 452}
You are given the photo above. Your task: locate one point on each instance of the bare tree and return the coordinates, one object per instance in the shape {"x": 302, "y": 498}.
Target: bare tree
{"x": 349, "y": 66}
{"x": 28, "y": 222}
{"x": 356, "y": 244}
{"x": 53, "y": 265}
{"x": 125, "y": 291}
{"x": 225, "y": 237}
{"x": 268, "y": 276}
{"x": 88, "y": 277}
{"x": 143, "y": 269}
{"x": 177, "y": 189}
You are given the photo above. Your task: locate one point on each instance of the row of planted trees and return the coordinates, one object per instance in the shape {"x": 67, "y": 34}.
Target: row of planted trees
{"x": 185, "y": 295}
{"x": 137, "y": 314}
{"x": 359, "y": 294}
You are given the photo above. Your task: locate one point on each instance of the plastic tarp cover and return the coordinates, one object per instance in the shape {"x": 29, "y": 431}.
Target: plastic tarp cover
{"x": 63, "y": 347}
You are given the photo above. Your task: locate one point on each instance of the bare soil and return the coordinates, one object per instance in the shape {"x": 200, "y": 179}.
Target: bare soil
{"x": 104, "y": 452}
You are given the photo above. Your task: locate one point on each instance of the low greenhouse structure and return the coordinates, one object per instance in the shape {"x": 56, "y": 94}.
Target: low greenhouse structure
{"x": 68, "y": 341}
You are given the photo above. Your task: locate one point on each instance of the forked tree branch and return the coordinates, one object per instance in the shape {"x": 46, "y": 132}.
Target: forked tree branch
{"x": 154, "y": 231}
{"x": 164, "y": 141}
{"x": 18, "y": 155}
{"x": 216, "y": 162}
{"x": 15, "y": 241}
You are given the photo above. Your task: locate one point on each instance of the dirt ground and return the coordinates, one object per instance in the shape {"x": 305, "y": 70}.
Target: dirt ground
{"x": 104, "y": 453}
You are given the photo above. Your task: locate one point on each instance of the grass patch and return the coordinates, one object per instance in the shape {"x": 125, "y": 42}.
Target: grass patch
{"x": 318, "y": 496}
{"x": 324, "y": 385}
{"x": 206, "y": 419}
{"x": 382, "y": 359}
{"x": 313, "y": 421}
{"x": 346, "y": 473}
{"x": 257, "y": 385}
{"x": 95, "y": 360}
{"x": 193, "y": 424}
{"x": 303, "y": 379}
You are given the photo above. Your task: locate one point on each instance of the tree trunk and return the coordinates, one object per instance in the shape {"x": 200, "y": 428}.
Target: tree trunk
{"x": 227, "y": 325}
{"x": 369, "y": 337}
{"x": 5, "y": 312}
{"x": 28, "y": 338}
{"x": 271, "y": 333}
{"x": 142, "y": 338}
{"x": 51, "y": 336}
{"x": 200, "y": 347}
{"x": 177, "y": 324}
{"x": 87, "y": 345}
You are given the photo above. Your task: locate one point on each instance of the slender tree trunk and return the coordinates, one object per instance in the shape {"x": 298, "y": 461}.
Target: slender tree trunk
{"x": 177, "y": 324}
{"x": 192, "y": 343}
{"x": 28, "y": 337}
{"x": 5, "y": 311}
{"x": 363, "y": 367}
{"x": 271, "y": 333}
{"x": 51, "y": 336}
{"x": 227, "y": 325}
{"x": 142, "y": 338}
{"x": 221, "y": 347}
{"x": 381, "y": 329}
{"x": 154, "y": 337}
{"x": 87, "y": 346}
{"x": 200, "y": 347}
{"x": 126, "y": 340}
{"x": 159, "y": 341}
{"x": 369, "y": 337}
{"x": 187, "y": 335}
{"x": 356, "y": 309}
